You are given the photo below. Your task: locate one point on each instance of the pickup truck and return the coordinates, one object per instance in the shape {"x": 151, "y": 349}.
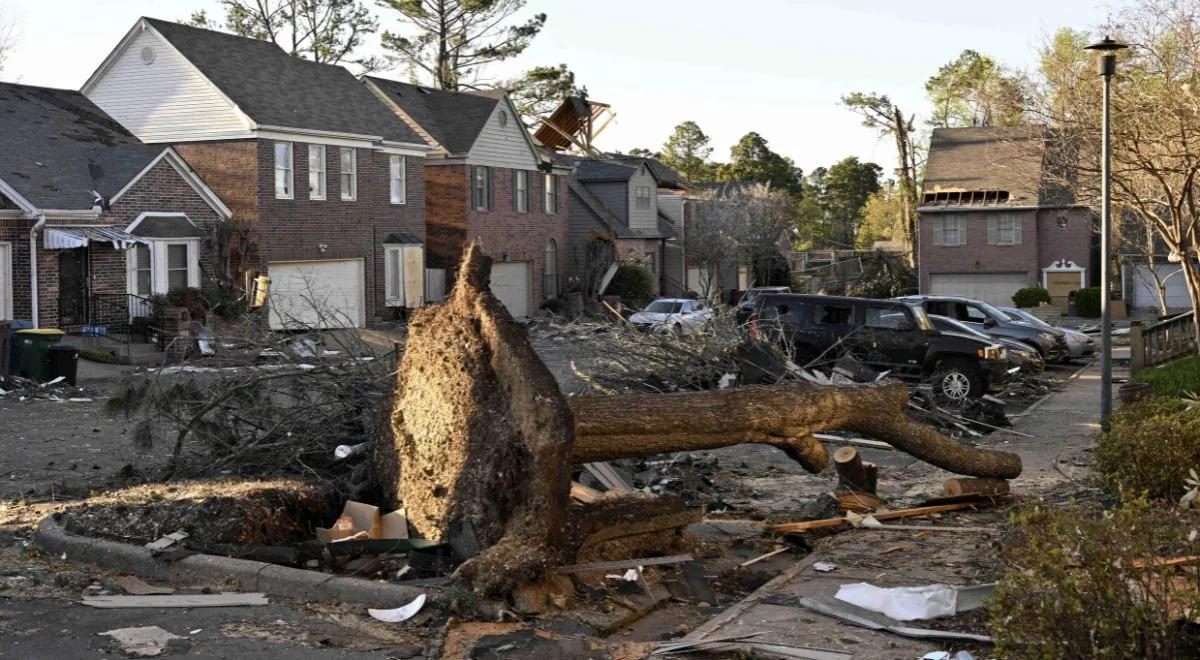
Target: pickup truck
{"x": 885, "y": 335}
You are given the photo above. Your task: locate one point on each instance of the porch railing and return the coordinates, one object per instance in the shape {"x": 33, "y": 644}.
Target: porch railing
{"x": 119, "y": 316}
{"x": 1162, "y": 341}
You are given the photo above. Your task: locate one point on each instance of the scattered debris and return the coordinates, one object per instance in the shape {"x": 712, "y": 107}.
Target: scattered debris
{"x": 166, "y": 541}
{"x": 142, "y": 642}
{"x": 883, "y": 515}
{"x": 627, "y": 563}
{"x": 858, "y": 616}
{"x": 751, "y": 562}
{"x": 824, "y": 567}
{"x": 134, "y": 586}
{"x": 400, "y": 613}
{"x": 228, "y": 599}
{"x": 909, "y": 603}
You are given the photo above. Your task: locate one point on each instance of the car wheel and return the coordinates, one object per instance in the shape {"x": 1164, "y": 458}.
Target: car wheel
{"x": 956, "y": 380}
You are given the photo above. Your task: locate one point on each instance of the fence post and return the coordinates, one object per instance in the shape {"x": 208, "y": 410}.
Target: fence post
{"x": 1137, "y": 348}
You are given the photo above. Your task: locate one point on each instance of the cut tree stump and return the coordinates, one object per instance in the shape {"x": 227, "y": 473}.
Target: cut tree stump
{"x": 853, "y": 474}
{"x": 483, "y": 436}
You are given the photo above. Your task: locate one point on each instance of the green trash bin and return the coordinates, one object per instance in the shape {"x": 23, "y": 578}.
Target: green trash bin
{"x": 33, "y": 347}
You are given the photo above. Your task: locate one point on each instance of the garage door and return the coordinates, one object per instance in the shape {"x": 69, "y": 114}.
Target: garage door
{"x": 510, "y": 283}
{"x": 995, "y": 288}
{"x": 316, "y": 294}
{"x": 1145, "y": 292}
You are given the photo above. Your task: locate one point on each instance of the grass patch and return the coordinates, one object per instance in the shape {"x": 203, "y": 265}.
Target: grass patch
{"x": 1174, "y": 378}
{"x": 1150, "y": 448}
{"x": 1074, "y": 585}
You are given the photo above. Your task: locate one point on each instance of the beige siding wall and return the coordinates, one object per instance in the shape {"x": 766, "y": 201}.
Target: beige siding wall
{"x": 167, "y": 100}
{"x": 643, "y": 218}
{"x": 502, "y": 146}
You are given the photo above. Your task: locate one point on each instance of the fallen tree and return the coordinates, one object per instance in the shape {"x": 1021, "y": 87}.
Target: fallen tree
{"x": 483, "y": 438}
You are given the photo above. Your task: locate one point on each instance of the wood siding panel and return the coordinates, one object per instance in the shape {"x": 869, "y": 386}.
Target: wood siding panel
{"x": 643, "y": 218}
{"x": 164, "y": 101}
{"x": 502, "y": 146}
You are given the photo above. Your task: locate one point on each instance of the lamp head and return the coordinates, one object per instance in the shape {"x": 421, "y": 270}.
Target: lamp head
{"x": 1108, "y": 48}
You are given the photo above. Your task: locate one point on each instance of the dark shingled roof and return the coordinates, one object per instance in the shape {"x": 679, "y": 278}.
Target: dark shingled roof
{"x": 58, "y": 146}
{"x": 276, "y": 89}
{"x": 666, "y": 176}
{"x": 602, "y": 170}
{"x": 453, "y": 119}
{"x": 1006, "y": 159}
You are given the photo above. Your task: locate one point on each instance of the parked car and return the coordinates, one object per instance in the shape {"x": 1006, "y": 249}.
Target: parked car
{"x": 1019, "y": 355}
{"x": 680, "y": 315}
{"x": 885, "y": 335}
{"x": 1079, "y": 345}
{"x": 746, "y": 308}
{"x": 1050, "y": 343}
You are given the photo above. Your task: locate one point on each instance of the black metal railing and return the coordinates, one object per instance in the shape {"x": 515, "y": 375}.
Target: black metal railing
{"x": 119, "y": 316}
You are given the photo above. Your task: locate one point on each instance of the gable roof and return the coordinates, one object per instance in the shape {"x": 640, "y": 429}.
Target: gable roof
{"x": 992, "y": 166}
{"x": 58, "y": 147}
{"x": 276, "y": 89}
{"x": 666, "y": 177}
{"x": 591, "y": 171}
{"x": 452, "y": 119}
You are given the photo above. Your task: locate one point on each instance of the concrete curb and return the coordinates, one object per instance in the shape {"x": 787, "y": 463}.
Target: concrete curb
{"x": 248, "y": 575}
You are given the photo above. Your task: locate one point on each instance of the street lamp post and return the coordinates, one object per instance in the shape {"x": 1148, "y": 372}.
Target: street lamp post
{"x": 1108, "y": 66}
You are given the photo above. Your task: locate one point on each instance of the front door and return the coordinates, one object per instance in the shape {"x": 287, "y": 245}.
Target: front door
{"x": 72, "y": 287}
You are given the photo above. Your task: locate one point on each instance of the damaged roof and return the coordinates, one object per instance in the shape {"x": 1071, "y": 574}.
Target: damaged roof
{"x": 993, "y": 166}
{"x": 453, "y": 119}
{"x": 276, "y": 89}
{"x": 58, "y": 147}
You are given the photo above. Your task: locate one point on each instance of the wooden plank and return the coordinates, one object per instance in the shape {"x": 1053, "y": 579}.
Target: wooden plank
{"x": 625, "y": 563}
{"x": 656, "y": 524}
{"x": 1163, "y": 562}
{"x": 583, "y": 493}
{"x": 881, "y": 516}
{"x": 178, "y": 600}
{"x": 759, "y": 558}
{"x": 861, "y": 442}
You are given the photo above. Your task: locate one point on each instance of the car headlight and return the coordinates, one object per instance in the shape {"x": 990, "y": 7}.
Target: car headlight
{"x": 1046, "y": 336}
{"x": 993, "y": 352}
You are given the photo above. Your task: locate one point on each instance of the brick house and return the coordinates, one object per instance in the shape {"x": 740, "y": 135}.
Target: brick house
{"x": 93, "y": 221}
{"x": 486, "y": 182}
{"x": 992, "y": 220}
{"x": 615, "y": 212}
{"x": 326, "y": 185}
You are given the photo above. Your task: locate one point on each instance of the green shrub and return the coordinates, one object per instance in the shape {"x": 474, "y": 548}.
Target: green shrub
{"x": 1149, "y": 448}
{"x": 1031, "y": 296}
{"x": 224, "y": 301}
{"x": 1071, "y": 588}
{"x": 633, "y": 283}
{"x": 883, "y": 276}
{"x": 1174, "y": 378}
{"x": 1087, "y": 302}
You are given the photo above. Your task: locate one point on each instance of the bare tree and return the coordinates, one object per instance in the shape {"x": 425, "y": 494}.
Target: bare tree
{"x": 8, "y": 34}
{"x": 1156, "y": 127}
{"x": 740, "y": 226}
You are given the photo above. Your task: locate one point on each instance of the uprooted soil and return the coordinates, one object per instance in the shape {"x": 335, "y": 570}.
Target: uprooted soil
{"x": 214, "y": 512}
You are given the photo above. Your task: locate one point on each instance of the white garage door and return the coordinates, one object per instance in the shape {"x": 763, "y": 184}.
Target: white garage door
{"x": 995, "y": 288}
{"x": 510, "y": 283}
{"x": 1145, "y": 291}
{"x": 316, "y": 294}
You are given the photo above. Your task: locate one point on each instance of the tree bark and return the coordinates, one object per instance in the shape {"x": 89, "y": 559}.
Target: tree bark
{"x": 955, "y": 487}
{"x": 784, "y": 416}
{"x": 853, "y": 474}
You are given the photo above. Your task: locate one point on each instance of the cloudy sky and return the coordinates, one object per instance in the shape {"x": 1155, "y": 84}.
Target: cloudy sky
{"x": 773, "y": 66}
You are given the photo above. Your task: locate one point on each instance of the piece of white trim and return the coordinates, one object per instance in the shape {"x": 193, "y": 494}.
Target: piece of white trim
{"x": 7, "y": 292}
{"x": 158, "y": 214}
{"x": 1067, "y": 266}
{"x": 11, "y": 193}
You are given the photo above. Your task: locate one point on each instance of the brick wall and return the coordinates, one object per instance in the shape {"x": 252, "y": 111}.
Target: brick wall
{"x": 504, "y": 234}
{"x": 1072, "y": 242}
{"x": 301, "y": 229}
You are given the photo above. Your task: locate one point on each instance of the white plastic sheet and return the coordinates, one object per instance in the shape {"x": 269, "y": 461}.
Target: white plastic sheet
{"x": 400, "y": 613}
{"x": 902, "y": 603}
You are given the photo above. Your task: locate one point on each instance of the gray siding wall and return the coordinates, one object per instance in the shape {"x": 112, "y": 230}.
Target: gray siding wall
{"x": 643, "y": 218}
{"x": 614, "y": 195}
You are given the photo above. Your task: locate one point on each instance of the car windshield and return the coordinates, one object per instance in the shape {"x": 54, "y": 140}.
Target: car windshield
{"x": 664, "y": 307}
{"x": 992, "y": 311}
{"x": 1018, "y": 315}
{"x": 923, "y": 321}
{"x": 952, "y": 325}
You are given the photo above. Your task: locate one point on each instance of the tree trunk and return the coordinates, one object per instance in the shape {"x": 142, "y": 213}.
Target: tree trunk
{"x": 955, "y": 487}
{"x": 784, "y": 416}
{"x": 853, "y": 474}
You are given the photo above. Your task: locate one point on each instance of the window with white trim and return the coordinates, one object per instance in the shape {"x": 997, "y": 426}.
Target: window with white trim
{"x": 177, "y": 265}
{"x": 481, "y": 187}
{"x": 521, "y": 196}
{"x": 550, "y": 193}
{"x": 641, "y": 197}
{"x": 283, "y": 170}
{"x": 403, "y": 275}
{"x": 141, "y": 270}
{"x": 349, "y": 173}
{"x": 396, "y": 179}
{"x": 316, "y": 171}
{"x": 949, "y": 230}
{"x": 163, "y": 265}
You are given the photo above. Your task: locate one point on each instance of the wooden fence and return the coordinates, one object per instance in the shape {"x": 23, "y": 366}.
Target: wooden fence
{"x": 1163, "y": 341}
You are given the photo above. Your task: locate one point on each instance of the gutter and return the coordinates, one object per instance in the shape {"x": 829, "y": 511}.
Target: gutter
{"x": 33, "y": 272}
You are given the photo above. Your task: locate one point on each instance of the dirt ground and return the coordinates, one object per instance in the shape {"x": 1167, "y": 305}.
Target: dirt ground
{"x": 58, "y": 450}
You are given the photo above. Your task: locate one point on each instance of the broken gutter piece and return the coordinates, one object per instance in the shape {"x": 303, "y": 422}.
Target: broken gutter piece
{"x": 858, "y": 616}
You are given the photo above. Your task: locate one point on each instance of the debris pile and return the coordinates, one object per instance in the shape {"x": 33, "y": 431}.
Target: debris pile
{"x": 19, "y": 388}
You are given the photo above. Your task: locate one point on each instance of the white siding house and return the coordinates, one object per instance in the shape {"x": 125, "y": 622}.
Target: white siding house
{"x": 503, "y": 142}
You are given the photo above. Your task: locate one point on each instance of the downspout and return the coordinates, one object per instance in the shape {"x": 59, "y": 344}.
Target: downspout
{"x": 33, "y": 273}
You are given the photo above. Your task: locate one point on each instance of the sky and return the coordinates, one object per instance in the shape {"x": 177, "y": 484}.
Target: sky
{"x": 778, "y": 67}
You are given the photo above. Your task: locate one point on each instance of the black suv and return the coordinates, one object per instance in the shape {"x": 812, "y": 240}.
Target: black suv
{"x": 885, "y": 335}
{"x": 1050, "y": 343}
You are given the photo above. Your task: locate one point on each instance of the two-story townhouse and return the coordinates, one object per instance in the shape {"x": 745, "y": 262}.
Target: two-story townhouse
{"x": 326, "y": 185}
{"x": 93, "y": 221}
{"x": 487, "y": 183}
{"x": 993, "y": 219}
{"x": 614, "y": 214}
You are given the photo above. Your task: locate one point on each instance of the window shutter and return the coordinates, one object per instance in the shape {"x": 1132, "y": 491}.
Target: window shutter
{"x": 491, "y": 189}
{"x": 939, "y": 228}
{"x": 1016, "y": 231}
{"x": 962, "y": 230}
{"x": 414, "y": 275}
{"x": 516, "y": 189}
{"x": 992, "y": 225}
